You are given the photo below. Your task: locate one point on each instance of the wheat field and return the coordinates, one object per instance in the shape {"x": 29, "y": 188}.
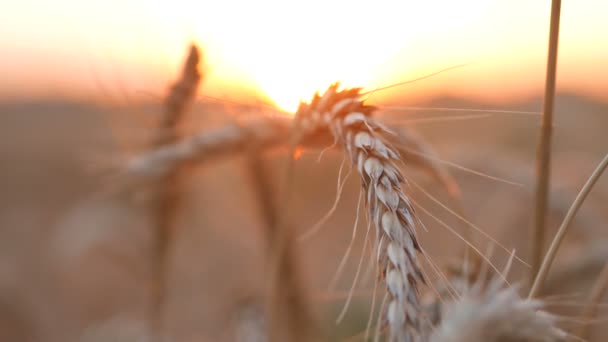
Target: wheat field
{"x": 191, "y": 218}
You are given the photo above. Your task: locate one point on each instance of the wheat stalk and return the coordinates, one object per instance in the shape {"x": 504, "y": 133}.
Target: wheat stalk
{"x": 166, "y": 192}
{"x": 344, "y": 114}
{"x": 152, "y": 165}
{"x": 543, "y": 166}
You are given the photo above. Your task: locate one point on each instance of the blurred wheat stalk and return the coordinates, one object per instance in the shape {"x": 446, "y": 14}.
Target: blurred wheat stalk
{"x": 165, "y": 197}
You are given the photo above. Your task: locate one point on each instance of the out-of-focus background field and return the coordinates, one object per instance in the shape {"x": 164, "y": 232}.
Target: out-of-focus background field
{"x": 81, "y": 90}
{"x": 75, "y": 263}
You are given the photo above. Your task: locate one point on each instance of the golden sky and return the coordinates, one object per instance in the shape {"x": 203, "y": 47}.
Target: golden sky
{"x": 285, "y": 50}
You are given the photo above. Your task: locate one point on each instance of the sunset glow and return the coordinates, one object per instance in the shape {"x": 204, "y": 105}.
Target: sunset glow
{"x": 283, "y": 51}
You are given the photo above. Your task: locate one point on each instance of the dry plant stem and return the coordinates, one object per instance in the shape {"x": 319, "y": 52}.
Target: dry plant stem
{"x": 167, "y": 190}
{"x": 578, "y": 202}
{"x": 289, "y": 315}
{"x": 348, "y": 119}
{"x": 543, "y": 166}
{"x": 290, "y": 318}
{"x": 589, "y": 311}
{"x": 265, "y": 132}
{"x": 262, "y": 189}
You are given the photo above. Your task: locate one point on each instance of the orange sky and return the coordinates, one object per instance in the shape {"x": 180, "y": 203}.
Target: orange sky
{"x": 287, "y": 49}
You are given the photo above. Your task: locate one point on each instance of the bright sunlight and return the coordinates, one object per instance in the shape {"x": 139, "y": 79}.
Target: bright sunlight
{"x": 282, "y": 51}
{"x": 290, "y": 50}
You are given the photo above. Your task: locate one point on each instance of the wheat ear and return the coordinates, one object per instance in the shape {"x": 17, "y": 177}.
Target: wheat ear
{"x": 150, "y": 166}
{"x": 497, "y": 314}
{"x": 166, "y": 192}
{"x": 344, "y": 114}
{"x": 262, "y": 132}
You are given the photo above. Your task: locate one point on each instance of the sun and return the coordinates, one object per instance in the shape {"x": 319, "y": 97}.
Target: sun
{"x": 287, "y": 87}
{"x": 291, "y": 70}
{"x": 296, "y": 49}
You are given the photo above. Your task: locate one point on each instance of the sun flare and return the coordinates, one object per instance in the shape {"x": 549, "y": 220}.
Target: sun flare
{"x": 292, "y": 55}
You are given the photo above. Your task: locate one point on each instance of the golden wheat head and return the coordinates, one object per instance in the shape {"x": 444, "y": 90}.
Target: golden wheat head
{"x": 344, "y": 114}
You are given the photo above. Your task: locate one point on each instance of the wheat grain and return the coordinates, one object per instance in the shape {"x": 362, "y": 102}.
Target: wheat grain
{"x": 348, "y": 119}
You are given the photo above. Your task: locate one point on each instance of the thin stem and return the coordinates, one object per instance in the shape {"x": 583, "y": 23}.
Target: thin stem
{"x": 448, "y": 109}
{"x": 578, "y": 202}
{"x": 290, "y": 316}
{"x": 442, "y": 119}
{"x": 167, "y": 197}
{"x": 265, "y": 132}
{"x": 414, "y": 80}
{"x": 262, "y": 189}
{"x": 543, "y": 166}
